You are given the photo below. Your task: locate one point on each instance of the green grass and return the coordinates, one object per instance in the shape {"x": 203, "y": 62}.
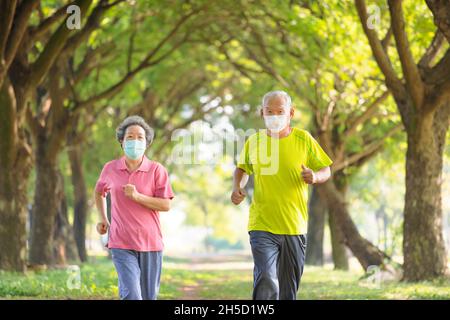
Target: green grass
{"x": 99, "y": 281}
{"x": 320, "y": 283}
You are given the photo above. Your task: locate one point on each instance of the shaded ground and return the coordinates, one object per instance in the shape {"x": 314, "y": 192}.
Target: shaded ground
{"x": 213, "y": 277}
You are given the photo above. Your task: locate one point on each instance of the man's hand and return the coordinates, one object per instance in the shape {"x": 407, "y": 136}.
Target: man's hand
{"x": 130, "y": 191}
{"x": 238, "y": 195}
{"x": 308, "y": 175}
{"x": 102, "y": 227}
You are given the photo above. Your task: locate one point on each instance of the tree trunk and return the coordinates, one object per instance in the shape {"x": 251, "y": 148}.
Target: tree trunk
{"x": 80, "y": 199}
{"x": 49, "y": 138}
{"x": 64, "y": 243}
{"x": 15, "y": 164}
{"x": 366, "y": 253}
{"x": 316, "y": 224}
{"x": 342, "y": 228}
{"x": 339, "y": 250}
{"x": 338, "y": 247}
{"x": 13, "y": 234}
{"x": 45, "y": 205}
{"x": 423, "y": 103}
{"x": 423, "y": 244}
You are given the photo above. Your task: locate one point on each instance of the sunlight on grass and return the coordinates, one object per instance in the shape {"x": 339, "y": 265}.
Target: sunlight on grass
{"x": 99, "y": 281}
{"x": 321, "y": 283}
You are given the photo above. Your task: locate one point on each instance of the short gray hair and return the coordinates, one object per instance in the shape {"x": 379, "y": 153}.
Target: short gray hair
{"x": 277, "y": 93}
{"x": 135, "y": 121}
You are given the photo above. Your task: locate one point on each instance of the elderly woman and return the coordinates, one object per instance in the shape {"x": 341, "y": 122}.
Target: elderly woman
{"x": 139, "y": 190}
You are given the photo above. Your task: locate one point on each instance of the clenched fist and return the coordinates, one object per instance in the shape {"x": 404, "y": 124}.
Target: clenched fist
{"x": 130, "y": 191}
{"x": 102, "y": 227}
{"x": 308, "y": 175}
{"x": 238, "y": 195}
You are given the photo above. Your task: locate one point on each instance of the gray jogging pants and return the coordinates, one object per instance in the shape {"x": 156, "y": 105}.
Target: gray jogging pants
{"x": 278, "y": 265}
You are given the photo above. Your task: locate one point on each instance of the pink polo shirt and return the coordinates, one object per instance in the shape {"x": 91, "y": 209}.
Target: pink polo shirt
{"x": 134, "y": 226}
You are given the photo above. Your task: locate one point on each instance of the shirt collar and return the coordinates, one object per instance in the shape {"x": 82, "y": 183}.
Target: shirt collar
{"x": 144, "y": 167}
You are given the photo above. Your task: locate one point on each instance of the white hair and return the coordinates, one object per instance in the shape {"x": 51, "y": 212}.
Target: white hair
{"x": 277, "y": 93}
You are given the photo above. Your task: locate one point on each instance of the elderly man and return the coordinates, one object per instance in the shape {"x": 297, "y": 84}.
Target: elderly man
{"x": 284, "y": 160}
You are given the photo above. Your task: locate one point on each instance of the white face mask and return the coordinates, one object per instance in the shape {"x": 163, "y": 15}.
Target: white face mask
{"x": 276, "y": 123}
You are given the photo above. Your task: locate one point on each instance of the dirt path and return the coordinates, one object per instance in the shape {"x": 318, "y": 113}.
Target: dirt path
{"x": 213, "y": 262}
{"x": 209, "y": 262}
{"x": 190, "y": 292}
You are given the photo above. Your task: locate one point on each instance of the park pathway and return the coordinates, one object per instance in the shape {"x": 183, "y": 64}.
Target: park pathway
{"x": 208, "y": 262}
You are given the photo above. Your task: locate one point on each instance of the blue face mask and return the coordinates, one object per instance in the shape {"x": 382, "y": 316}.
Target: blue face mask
{"x": 134, "y": 149}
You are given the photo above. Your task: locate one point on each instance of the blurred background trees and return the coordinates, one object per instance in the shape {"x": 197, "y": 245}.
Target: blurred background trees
{"x": 368, "y": 81}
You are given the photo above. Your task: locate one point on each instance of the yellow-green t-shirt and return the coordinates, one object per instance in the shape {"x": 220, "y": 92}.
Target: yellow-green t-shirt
{"x": 280, "y": 197}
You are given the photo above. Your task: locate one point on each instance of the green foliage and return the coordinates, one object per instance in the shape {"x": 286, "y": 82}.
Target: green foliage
{"x": 376, "y": 199}
{"x": 315, "y": 50}
{"x": 204, "y": 190}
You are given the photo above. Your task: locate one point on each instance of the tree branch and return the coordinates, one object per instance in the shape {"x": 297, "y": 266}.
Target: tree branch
{"x": 387, "y": 39}
{"x": 18, "y": 30}
{"x": 145, "y": 63}
{"x": 441, "y": 14}
{"x": 7, "y": 10}
{"x": 245, "y": 71}
{"x": 381, "y": 57}
{"x": 92, "y": 24}
{"x": 410, "y": 71}
{"x": 38, "y": 31}
{"x": 368, "y": 149}
{"x": 266, "y": 67}
{"x": 366, "y": 115}
{"x": 438, "y": 97}
{"x": 51, "y": 51}
{"x": 438, "y": 81}
{"x": 91, "y": 61}
{"x": 432, "y": 50}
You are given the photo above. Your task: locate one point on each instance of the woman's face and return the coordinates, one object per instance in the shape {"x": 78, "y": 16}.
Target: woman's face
{"x": 134, "y": 133}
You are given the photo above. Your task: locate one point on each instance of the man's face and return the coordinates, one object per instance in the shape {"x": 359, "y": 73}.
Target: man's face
{"x": 275, "y": 107}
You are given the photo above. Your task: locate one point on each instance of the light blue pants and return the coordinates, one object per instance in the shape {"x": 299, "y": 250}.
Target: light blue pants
{"x": 139, "y": 273}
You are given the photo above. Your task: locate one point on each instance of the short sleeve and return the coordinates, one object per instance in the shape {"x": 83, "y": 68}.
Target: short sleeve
{"x": 244, "y": 159}
{"x": 317, "y": 158}
{"x": 102, "y": 185}
{"x": 163, "y": 188}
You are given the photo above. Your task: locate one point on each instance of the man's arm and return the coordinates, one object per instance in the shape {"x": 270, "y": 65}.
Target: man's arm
{"x": 311, "y": 177}
{"x": 239, "y": 180}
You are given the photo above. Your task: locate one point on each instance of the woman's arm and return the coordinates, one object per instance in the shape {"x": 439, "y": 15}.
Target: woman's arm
{"x": 100, "y": 203}
{"x": 154, "y": 203}
{"x": 158, "y": 204}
